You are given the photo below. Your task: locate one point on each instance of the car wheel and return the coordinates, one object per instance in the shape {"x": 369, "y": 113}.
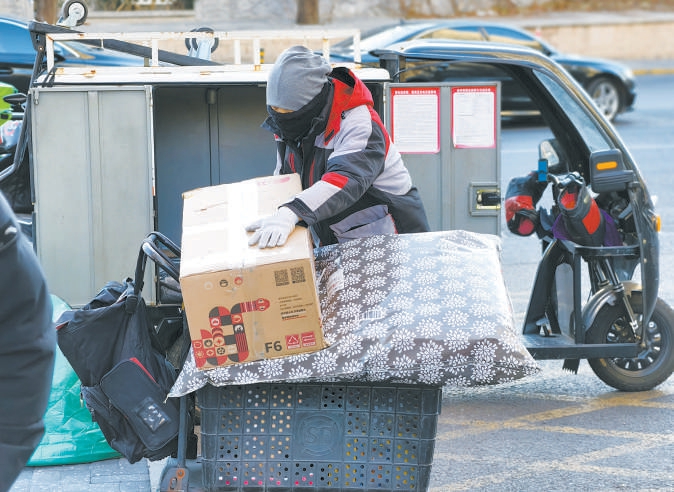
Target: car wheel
{"x": 607, "y": 96}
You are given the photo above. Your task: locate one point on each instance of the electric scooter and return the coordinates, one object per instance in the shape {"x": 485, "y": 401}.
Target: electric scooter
{"x": 595, "y": 291}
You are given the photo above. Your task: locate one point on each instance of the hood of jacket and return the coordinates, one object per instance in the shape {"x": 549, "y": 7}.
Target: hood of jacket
{"x": 349, "y": 92}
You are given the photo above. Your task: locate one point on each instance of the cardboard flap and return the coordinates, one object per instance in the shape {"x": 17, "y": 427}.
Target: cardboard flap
{"x": 214, "y": 220}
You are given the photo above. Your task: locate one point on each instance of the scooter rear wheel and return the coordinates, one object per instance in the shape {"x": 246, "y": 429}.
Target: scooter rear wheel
{"x": 653, "y": 365}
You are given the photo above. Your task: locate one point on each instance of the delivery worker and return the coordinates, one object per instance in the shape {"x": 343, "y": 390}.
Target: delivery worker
{"x": 354, "y": 181}
{"x": 27, "y": 346}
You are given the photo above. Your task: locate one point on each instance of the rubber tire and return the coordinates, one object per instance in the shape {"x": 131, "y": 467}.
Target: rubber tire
{"x": 607, "y": 95}
{"x": 192, "y": 43}
{"x": 613, "y": 371}
{"x": 66, "y": 7}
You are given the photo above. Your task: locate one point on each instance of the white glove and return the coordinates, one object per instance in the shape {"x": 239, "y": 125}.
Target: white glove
{"x": 273, "y": 230}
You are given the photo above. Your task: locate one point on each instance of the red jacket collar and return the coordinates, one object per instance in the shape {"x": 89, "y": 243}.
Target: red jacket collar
{"x": 344, "y": 98}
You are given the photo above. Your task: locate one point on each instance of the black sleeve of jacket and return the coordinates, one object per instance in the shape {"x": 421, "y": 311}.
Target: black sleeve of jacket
{"x": 27, "y": 345}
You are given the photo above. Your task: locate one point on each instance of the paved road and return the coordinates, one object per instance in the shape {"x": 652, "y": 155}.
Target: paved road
{"x": 559, "y": 432}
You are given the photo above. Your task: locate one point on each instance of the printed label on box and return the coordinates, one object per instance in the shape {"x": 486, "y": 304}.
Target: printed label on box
{"x": 293, "y": 341}
{"x": 308, "y": 339}
{"x": 293, "y": 307}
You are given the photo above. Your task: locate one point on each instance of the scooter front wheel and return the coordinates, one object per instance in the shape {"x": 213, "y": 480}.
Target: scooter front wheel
{"x": 654, "y": 363}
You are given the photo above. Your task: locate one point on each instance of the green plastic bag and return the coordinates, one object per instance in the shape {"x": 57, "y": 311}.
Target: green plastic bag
{"x": 70, "y": 434}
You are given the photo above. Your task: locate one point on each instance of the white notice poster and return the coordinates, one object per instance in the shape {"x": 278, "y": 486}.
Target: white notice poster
{"x": 415, "y": 119}
{"x": 474, "y": 116}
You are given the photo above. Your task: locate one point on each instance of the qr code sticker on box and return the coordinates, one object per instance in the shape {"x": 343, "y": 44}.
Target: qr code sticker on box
{"x": 281, "y": 277}
{"x": 297, "y": 275}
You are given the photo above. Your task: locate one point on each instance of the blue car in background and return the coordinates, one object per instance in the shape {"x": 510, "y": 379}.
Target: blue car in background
{"x": 611, "y": 85}
{"x": 17, "y": 54}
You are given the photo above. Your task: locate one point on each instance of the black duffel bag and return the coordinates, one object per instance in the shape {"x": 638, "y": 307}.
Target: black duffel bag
{"x": 113, "y": 348}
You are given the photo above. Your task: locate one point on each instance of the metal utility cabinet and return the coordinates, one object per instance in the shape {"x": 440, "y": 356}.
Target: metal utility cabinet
{"x": 449, "y": 136}
{"x": 114, "y": 149}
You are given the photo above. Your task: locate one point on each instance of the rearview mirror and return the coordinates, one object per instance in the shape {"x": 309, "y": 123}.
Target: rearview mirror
{"x": 607, "y": 171}
{"x": 16, "y": 99}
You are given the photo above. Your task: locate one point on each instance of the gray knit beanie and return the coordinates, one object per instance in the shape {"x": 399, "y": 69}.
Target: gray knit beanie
{"x": 296, "y": 78}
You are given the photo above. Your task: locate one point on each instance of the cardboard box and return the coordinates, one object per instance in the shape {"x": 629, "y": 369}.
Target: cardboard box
{"x": 244, "y": 303}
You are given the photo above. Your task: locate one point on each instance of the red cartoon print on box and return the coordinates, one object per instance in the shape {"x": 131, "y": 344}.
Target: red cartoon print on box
{"x": 226, "y": 340}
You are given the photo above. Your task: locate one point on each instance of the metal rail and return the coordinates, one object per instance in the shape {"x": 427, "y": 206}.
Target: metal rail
{"x": 152, "y": 40}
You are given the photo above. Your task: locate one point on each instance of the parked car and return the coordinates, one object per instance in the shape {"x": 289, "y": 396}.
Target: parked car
{"x": 611, "y": 85}
{"x": 17, "y": 54}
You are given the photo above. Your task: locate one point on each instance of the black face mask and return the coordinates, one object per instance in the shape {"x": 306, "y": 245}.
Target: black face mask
{"x": 296, "y": 125}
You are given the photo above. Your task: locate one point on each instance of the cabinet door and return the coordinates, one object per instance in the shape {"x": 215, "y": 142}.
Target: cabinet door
{"x": 92, "y": 171}
{"x": 206, "y": 136}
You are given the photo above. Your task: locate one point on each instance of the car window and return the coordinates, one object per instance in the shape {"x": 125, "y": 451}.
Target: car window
{"x": 506, "y": 33}
{"x": 15, "y": 40}
{"x": 514, "y": 100}
{"x": 499, "y": 34}
{"x": 348, "y": 42}
{"x": 459, "y": 33}
{"x": 379, "y": 38}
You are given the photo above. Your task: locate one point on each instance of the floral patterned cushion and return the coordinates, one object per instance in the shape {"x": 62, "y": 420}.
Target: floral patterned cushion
{"x": 429, "y": 308}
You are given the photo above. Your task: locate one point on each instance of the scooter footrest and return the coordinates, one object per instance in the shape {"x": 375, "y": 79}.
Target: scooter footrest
{"x": 564, "y": 347}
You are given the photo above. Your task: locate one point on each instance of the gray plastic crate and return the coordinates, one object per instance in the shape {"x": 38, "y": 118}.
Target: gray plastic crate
{"x": 309, "y": 436}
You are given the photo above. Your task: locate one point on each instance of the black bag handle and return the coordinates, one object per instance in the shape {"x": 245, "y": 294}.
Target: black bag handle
{"x": 154, "y": 246}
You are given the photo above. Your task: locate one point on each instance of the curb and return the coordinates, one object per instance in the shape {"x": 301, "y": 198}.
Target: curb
{"x": 653, "y": 71}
